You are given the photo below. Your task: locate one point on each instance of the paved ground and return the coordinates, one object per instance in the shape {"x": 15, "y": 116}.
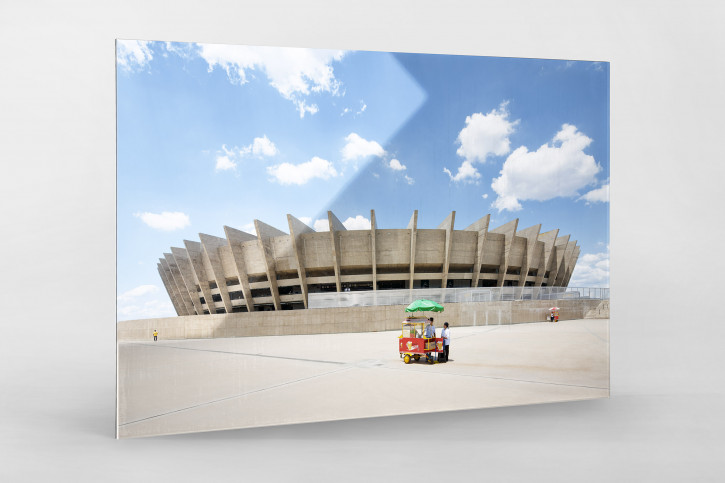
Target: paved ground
{"x": 178, "y": 386}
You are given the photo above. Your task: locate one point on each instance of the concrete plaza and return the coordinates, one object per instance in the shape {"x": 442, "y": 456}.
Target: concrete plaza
{"x": 179, "y": 386}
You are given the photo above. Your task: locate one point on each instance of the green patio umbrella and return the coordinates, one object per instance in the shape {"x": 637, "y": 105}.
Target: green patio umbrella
{"x": 423, "y": 305}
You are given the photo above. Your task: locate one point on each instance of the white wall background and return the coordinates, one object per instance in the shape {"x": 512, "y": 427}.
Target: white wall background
{"x": 665, "y": 419}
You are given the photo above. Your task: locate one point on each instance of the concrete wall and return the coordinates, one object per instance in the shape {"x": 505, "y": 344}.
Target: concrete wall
{"x": 339, "y": 320}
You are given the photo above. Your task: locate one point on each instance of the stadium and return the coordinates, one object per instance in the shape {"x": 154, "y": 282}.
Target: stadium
{"x": 275, "y": 270}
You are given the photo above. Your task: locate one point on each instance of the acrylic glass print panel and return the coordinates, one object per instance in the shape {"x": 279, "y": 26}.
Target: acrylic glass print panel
{"x": 280, "y": 208}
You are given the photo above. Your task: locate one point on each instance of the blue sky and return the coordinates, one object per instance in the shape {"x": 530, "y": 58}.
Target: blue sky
{"x": 214, "y": 135}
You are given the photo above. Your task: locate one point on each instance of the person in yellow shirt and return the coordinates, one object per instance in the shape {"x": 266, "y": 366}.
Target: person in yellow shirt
{"x": 156, "y": 334}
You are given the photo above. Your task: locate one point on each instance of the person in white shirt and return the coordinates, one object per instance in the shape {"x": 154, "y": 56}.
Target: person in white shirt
{"x": 446, "y": 335}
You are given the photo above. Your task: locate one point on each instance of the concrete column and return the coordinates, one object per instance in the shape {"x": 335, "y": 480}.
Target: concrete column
{"x": 171, "y": 291}
{"x": 296, "y": 230}
{"x": 574, "y": 258}
{"x": 179, "y": 283}
{"x": 541, "y": 264}
{"x": 335, "y": 226}
{"x": 568, "y": 252}
{"x": 549, "y": 238}
{"x": 211, "y": 245}
{"x": 195, "y": 252}
{"x": 531, "y": 234}
{"x": 560, "y": 245}
{"x": 235, "y": 238}
{"x": 413, "y": 227}
{"x": 481, "y": 227}
{"x": 187, "y": 274}
{"x": 447, "y": 225}
{"x": 265, "y": 233}
{"x": 509, "y": 232}
{"x": 373, "y": 230}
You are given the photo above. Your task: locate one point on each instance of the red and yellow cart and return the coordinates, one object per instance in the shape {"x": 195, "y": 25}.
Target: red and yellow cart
{"x": 412, "y": 343}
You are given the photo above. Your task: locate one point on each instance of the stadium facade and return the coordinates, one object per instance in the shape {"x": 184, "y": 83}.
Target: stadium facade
{"x": 275, "y": 270}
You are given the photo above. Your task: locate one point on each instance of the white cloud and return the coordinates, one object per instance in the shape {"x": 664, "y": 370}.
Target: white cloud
{"x": 466, "y": 173}
{"x": 591, "y": 270}
{"x": 295, "y": 73}
{"x": 223, "y": 163}
{"x": 227, "y": 159}
{"x": 323, "y": 224}
{"x": 395, "y": 165}
{"x": 305, "y": 219}
{"x": 399, "y": 167}
{"x": 357, "y": 223}
{"x": 141, "y": 303}
{"x": 133, "y": 55}
{"x": 599, "y": 195}
{"x": 303, "y": 107}
{"x": 376, "y": 175}
{"x": 166, "y": 221}
{"x": 358, "y": 148}
{"x": 139, "y": 291}
{"x": 557, "y": 170}
{"x": 182, "y": 49}
{"x": 264, "y": 147}
{"x": 485, "y": 135}
{"x": 484, "y": 196}
{"x": 509, "y": 203}
{"x": 150, "y": 309}
{"x": 300, "y": 174}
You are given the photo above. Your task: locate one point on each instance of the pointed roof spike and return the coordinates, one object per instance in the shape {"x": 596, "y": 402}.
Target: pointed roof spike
{"x": 179, "y": 252}
{"x": 192, "y": 246}
{"x": 506, "y": 228}
{"x": 297, "y": 226}
{"x": 335, "y": 223}
{"x": 238, "y": 236}
{"x": 212, "y": 241}
{"x": 413, "y": 223}
{"x": 532, "y": 231}
{"x": 448, "y": 222}
{"x": 267, "y": 231}
{"x": 562, "y": 240}
{"x": 479, "y": 225}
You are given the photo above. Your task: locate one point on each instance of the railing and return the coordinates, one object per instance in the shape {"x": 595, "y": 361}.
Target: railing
{"x": 451, "y": 295}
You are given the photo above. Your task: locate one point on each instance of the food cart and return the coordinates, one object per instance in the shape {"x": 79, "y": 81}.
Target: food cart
{"x": 412, "y": 343}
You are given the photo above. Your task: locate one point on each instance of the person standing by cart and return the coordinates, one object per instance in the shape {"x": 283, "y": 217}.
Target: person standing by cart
{"x": 430, "y": 331}
{"x": 156, "y": 334}
{"x": 446, "y": 335}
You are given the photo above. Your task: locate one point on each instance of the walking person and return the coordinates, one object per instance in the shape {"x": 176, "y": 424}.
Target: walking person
{"x": 156, "y": 334}
{"x": 446, "y": 335}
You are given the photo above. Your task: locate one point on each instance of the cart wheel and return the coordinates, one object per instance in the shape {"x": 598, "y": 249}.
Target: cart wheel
{"x": 406, "y": 359}
{"x": 416, "y": 357}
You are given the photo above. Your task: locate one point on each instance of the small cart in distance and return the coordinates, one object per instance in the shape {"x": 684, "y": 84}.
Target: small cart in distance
{"x": 412, "y": 344}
